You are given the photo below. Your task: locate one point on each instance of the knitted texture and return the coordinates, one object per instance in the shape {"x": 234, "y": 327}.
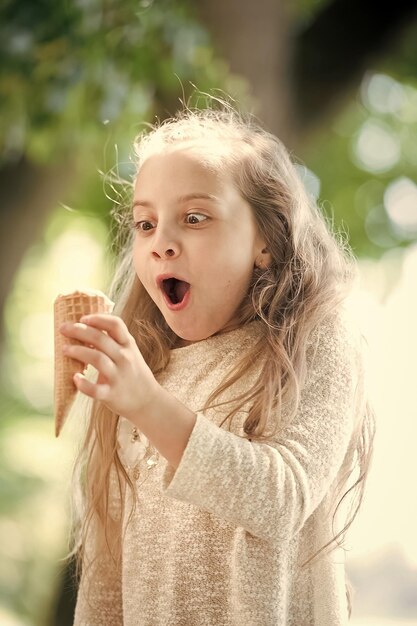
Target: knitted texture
{"x": 219, "y": 540}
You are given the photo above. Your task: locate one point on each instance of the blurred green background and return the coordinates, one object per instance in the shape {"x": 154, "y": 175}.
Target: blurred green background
{"x": 336, "y": 80}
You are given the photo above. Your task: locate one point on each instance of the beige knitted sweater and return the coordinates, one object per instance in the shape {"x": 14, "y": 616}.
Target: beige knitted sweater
{"x": 219, "y": 540}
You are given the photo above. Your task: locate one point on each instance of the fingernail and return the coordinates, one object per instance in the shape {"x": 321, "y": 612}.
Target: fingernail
{"x": 63, "y": 326}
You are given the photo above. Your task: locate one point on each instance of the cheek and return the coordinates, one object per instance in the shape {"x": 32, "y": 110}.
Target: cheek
{"x": 138, "y": 265}
{"x": 231, "y": 276}
{"x": 238, "y": 262}
{"x": 136, "y": 262}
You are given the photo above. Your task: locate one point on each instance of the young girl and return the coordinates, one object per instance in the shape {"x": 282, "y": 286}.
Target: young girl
{"x": 229, "y": 417}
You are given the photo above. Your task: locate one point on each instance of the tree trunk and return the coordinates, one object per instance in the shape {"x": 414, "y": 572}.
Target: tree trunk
{"x": 302, "y": 78}
{"x": 254, "y": 38}
{"x": 27, "y": 194}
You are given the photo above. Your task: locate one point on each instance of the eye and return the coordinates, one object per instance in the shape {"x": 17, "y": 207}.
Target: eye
{"x": 141, "y": 225}
{"x": 198, "y": 221}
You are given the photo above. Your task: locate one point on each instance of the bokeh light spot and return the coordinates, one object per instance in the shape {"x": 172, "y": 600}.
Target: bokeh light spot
{"x": 376, "y": 148}
{"x": 400, "y": 200}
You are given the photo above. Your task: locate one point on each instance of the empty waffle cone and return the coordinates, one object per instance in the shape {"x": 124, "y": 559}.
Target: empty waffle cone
{"x": 70, "y": 308}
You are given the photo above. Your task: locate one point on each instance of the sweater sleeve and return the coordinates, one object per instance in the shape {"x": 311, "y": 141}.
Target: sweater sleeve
{"x": 271, "y": 488}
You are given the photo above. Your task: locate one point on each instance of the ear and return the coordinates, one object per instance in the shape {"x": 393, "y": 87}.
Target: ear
{"x": 263, "y": 259}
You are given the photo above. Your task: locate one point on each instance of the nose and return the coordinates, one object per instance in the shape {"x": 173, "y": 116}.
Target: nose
{"x": 164, "y": 248}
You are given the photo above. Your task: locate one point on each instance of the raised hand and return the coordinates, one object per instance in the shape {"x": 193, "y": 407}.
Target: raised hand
{"x": 125, "y": 383}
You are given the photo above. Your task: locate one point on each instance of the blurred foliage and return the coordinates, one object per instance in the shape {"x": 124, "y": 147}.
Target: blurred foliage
{"x": 69, "y": 68}
{"x": 366, "y": 158}
{"x": 78, "y": 80}
{"x": 34, "y": 514}
{"x": 35, "y": 468}
{"x": 303, "y": 12}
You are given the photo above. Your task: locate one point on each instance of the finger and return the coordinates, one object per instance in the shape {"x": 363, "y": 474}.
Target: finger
{"x": 98, "y": 392}
{"x": 92, "y": 337}
{"x": 100, "y": 361}
{"x": 112, "y": 324}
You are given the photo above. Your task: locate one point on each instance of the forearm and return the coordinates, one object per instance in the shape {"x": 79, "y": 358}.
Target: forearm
{"x": 167, "y": 423}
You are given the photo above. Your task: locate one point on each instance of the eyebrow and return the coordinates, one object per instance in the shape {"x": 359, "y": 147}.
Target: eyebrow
{"x": 185, "y": 198}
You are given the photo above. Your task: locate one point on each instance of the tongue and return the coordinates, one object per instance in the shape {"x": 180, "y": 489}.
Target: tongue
{"x": 181, "y": 288}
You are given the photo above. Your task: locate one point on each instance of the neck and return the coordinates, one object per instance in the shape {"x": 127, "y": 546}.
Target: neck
{"x": 180, "y": 342}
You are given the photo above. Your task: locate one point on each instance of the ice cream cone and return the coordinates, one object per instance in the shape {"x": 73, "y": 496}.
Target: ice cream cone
{"x": 70, "y": 308}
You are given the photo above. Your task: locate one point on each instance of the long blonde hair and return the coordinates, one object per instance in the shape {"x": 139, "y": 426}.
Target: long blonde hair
{"x": 311, "y": 273}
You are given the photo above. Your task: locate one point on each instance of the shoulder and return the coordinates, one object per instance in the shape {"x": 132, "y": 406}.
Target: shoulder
{"x": 336, "y": 343}
{"x": 338, "y": 328}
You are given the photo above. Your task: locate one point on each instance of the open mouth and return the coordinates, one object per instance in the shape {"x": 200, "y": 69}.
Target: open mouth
{"x": 175, "y": 289}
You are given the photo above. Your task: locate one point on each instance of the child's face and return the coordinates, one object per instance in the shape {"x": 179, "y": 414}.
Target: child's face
{"x": 212, "y": 242}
